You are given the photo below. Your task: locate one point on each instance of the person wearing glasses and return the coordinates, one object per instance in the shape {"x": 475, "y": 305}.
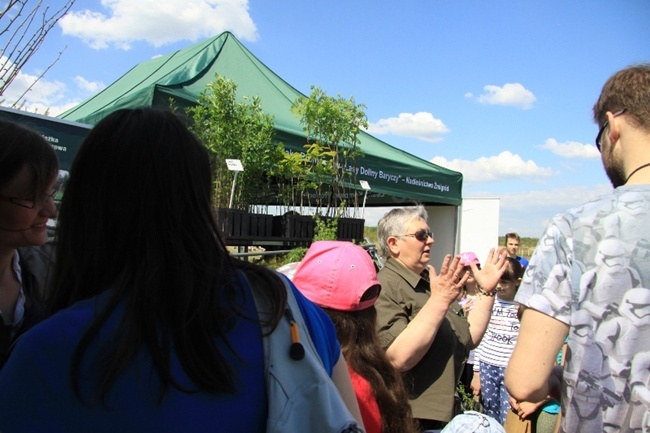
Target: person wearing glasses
{"x": 419, "y": 320}
{"x": 28, "y": 174}
{"x": 589, "y": 278}
{"x": 154, "y": 325}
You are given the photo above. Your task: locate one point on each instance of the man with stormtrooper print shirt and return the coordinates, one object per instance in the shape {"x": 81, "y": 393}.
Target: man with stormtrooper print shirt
{"x": 589, "y": 278}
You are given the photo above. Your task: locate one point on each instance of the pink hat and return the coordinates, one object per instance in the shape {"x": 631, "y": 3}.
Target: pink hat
{"x": 336, "y": 275}
{"x": 467, "y": 258}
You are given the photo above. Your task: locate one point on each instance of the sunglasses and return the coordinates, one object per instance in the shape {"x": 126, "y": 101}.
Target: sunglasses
{"x": 421, "y": 235}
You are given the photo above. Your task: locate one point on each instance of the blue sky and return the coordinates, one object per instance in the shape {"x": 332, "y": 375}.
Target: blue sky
{"x": 501, "y": 90}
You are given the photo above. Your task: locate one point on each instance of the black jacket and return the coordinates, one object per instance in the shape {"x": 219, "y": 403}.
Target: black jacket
{"x": 36, "y": 269}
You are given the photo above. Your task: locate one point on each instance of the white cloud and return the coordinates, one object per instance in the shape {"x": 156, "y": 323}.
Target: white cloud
{"x": 571, "y": 149}
{"x": 49, "y": 110}
{"x": 89, "y": 86}
{"x": 159, "y": 22}
{"x": 562, "y": 198}
{"x": 42, "y": 96}
{"x": 420, "y": 125}
{"x": 505, "y": 166}
{"x": 511, "y": 94}
{"x": 528, "y": 213}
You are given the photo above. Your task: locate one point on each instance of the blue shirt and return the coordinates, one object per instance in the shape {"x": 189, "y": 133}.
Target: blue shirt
{"x": 522, "y": 261}
{"x": 36, "y": 394}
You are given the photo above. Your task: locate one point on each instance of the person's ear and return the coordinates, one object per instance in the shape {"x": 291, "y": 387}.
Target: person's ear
{"x": 614, "y": 129}
{"x": 392, "y": 245}
{"x": 518, "y": 282}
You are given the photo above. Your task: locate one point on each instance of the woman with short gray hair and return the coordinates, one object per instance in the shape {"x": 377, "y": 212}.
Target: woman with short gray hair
{"x": 419, "y": 322}
{"x": 393, "y": 222}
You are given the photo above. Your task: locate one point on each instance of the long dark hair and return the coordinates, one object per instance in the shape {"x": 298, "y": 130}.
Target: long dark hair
{"x": 356, "y": 333}
{"x": 136, "y": 222}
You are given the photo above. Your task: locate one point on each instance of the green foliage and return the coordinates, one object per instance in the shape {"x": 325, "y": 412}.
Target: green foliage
{"x": 236, "y": 130}
{"x": 295, "y": 255}
{"x": 371, "y": 234}
{"x": 332, "y": 126}
{"x": 240, "y": 130}
{"x": 325, "y": 229}
{"x": 467, "y": 400}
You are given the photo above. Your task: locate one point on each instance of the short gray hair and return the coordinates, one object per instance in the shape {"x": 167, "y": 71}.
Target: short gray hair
{"x": 395, "y": 222}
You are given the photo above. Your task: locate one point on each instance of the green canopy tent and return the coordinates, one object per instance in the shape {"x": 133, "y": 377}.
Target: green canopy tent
{"x": 395, "y": 177}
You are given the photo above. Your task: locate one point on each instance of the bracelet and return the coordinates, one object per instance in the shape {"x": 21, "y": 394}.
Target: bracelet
{"x": 483, "y": 292}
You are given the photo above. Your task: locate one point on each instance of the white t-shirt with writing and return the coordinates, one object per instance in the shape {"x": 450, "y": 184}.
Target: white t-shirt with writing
{"x": 501, "y": 335}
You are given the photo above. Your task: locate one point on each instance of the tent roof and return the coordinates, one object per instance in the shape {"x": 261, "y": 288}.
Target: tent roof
{"x": 396, "y": 177}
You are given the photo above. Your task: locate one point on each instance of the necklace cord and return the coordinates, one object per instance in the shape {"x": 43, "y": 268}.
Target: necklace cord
{"x": 635, "y": 170}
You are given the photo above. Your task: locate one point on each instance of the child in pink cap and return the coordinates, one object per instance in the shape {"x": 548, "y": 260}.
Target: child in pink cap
{"x": 469, "y": 379}
{"x": 341, "y": 278}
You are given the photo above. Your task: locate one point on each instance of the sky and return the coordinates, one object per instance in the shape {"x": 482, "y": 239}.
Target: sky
{"x": 501, "y": 91}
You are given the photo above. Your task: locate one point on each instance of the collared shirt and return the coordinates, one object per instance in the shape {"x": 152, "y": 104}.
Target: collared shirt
{"x": 431, "y": 383}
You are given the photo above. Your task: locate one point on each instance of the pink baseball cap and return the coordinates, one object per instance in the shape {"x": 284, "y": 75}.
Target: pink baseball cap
{"x": 467, "y": 258}
{"x": 337, "y": 275}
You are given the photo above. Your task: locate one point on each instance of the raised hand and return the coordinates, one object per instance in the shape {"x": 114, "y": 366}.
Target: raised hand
{"x": 495, "y": 265}
{"x": 446, "y": 285}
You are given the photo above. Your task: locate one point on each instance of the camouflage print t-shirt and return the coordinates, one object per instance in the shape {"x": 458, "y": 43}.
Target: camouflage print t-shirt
{"x": 591, "y": 270}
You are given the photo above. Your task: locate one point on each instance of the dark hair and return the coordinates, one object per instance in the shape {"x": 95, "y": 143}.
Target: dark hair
{"x": 627, "y": 89}
{"x": 20, "y": 146}
{"x": 136, "y": 222}
{"x": 514, "y": 270}
{"x": 363, "y": 353}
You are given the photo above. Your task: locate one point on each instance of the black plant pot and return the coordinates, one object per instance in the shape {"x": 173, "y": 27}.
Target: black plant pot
{"x": 350, "y": 229}
{"x": 233, "y": 222}
{"x": 293, "y": 226}
{"x": 261, "y": 225}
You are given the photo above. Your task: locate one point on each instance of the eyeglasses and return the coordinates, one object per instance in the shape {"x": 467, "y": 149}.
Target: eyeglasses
{"x": 31, "y": 203}
{"x": 605, "y": 125}
{"x": 421, "y": 235}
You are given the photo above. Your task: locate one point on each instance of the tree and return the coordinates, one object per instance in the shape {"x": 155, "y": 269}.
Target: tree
{"x": 24, "y": 25}
{"x": 236, "y": 130}
{"x": 332, "y": 126}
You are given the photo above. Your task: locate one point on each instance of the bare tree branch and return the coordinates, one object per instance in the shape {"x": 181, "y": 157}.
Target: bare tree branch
{"x": 9, "y": 7}
{"x": 24, "y": 35}
{"x": 15, "y": 104}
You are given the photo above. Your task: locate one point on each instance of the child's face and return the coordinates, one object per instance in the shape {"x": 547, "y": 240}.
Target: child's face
{"x": 470, "y": 278}
{"x": 506, "y": 289}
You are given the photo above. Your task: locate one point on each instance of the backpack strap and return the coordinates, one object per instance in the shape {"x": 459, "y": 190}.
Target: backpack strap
{"x": 291, "y": 328}
{"x": 301, "y": 396}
